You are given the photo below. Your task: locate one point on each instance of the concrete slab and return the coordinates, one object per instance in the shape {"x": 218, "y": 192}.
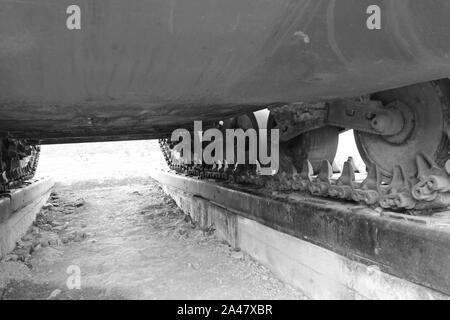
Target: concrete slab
{"x": 18, "y": 212}
{"x": 320, "y": 271}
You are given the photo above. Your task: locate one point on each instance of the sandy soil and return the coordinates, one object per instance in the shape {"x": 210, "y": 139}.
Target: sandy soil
{"x": 128, "y": 239}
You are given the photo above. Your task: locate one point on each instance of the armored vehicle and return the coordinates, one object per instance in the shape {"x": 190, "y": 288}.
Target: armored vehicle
{"x": 87, "y": 70}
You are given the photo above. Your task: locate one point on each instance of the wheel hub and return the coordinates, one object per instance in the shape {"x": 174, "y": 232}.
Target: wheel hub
{"x": 423, "y": 111}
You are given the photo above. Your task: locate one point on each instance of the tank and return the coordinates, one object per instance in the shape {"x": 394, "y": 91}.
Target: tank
{"x": 87, "y": 70}
{"x": 145, "y": 67}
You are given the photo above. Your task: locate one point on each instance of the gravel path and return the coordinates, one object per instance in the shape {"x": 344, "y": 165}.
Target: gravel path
{"x": 128, "y": 241}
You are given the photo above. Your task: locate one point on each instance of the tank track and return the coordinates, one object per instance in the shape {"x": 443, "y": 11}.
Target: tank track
{"x": 423, "y": 194}
{"x": 19, "y": 161}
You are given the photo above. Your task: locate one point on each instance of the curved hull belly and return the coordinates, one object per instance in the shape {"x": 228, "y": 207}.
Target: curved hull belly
{"x": 146, "y": 66}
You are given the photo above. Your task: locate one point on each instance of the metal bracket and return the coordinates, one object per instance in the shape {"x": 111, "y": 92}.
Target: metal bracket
{"x": 370, "y": 116}
{"x": 367, "y": 116}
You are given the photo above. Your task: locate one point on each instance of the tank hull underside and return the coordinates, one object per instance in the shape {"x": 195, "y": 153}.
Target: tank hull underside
{"x": 139, "y": 69}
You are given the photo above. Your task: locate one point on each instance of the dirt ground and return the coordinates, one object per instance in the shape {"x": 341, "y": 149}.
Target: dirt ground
{"x": 114, "y": 225}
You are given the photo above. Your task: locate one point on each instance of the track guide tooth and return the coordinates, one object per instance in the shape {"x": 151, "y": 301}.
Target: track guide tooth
{"x": 326, "y": 171}
{"x": 368, "y": 191}
{"x": 352, "y": 162}
{"x": 348, "y": 173}
{"x": 345, "y": 184}
{"x": 323, "y": 180}
{"x": 398, "y": 193}
{"x": 306, "y": 175}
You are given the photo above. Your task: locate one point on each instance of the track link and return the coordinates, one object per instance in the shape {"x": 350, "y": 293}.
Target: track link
{"x": 423, "y": 194}
{"x": 19, "y": 161}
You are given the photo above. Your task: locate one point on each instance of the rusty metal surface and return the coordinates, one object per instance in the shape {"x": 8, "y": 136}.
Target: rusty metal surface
{"x": 138, "y": 66}
{"x": 412, "y": 248}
